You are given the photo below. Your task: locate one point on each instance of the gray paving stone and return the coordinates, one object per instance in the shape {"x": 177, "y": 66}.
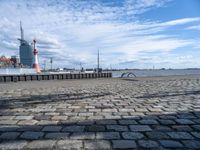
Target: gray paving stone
{"x": 106, "y": 122}
{"x": 148, "y": 121}
{"x": 52, "y": 128}
{"x": 6, "y": 128}
{"x": 140, "y": 128}
{"x": 107, "y": 135}
{"x": 127, "y": 122}
{"x": 27, "y": 122}
{"x": 73, "y": 128}
{"x": 83, "y": 135}
{"x": 31, "y": 135}
{"x": 117, "y": 128}
{"x": 124, "y": 144}
{"x": 171, "y": 144}
{"x": 8, "y": 122}
{"x": 184, "y": 121}
{"x": 196, "y": 134}
{"x": 9, "y": 135}
{"x": 148, "y": 143}
{"x": 70, "y": 144}
{"x": 100, "y": 144}
{"x": 95, "y": 128}
{"x": 180, "y": 135}
{"x": 192, "y": 144}
{"x": 166, "y": 122}
{"x": 182, "y": 127}
{"x": 57, "y": 135}
{"x": 132, "y": 135}
{"x": 41, "y": 144}
{"x": 13, "y": 145}
{"x": 24, "y": 117}
{"x": 157, "y": 135}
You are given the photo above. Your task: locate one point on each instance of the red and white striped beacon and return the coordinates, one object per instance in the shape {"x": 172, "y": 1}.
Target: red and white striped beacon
{"x": 36, "y": 63}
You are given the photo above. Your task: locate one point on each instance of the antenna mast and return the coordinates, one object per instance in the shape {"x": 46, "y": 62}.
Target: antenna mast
{"x": 22, "y": 31}
{"x": 98, "y": 62}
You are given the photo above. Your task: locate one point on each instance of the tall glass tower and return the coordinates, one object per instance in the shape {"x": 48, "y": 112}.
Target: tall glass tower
{"x": 25, "y": 50}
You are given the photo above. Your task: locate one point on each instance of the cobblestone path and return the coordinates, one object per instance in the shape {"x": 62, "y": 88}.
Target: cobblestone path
{"x": 140, "y": 113}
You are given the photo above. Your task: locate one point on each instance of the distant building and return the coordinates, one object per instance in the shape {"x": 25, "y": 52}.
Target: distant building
{"x": 25, "y": 50}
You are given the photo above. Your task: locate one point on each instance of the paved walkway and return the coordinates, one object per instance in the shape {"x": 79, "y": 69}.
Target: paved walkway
{"x": 144, "y": 113}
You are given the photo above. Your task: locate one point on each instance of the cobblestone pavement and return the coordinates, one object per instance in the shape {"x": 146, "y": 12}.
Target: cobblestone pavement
{"x": 140, "y": 113}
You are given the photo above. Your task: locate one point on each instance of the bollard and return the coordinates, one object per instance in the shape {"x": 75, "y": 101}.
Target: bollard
{"x": 27, "y": 78}
{"x": 1, "y": 78}
{"x": 39, "y": 77}
{"x": 7, "y": 78}
{"x": 14, "y": 78}
{"x": 33, "y": 77}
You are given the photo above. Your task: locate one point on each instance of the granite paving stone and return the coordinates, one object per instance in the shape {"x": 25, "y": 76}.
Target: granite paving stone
{"x": 115, "y": 113}
{"x": 124, "y": 144}
{"x": 45, "y": 144}
{"x": 9, "y": 135}
{"x": 30, "y": 135}
{"x": 13, "y": 145}
{"x": 52, "y": 128}
{"x": 171, "y": 144}
{"x": 108, "y": 135}
{"x": 132, "y": 135}
{"x": 57, "y": 135}
{"x": 100, "y": 144}
{"x": 140, "y": 128}
{"x": 148, "y": 144}
{"x": 70, "y": 144}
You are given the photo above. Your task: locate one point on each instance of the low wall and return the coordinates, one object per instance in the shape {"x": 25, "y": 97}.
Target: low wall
{"x": 16, "y": 78}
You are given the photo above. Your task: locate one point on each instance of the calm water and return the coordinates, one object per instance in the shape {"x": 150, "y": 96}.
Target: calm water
{"x": 154, "y": 73}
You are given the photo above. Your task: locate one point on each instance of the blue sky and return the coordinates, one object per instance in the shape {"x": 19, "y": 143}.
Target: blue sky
{"x": 128, "y": 33}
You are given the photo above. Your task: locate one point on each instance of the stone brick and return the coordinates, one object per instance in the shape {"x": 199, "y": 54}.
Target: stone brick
{"x": 127, "y": 122}
{"x": 100, "y": 144}
{"x": 70, "y": 144}
{"x": 148, "y": 121}
{"x": 27, "y": 122}
{"x": 148, "y": 143}
{"x": 157, "y": 135}
{"x": 107, "y": 135}
{"x": 117, "y": 128}
{"x": 41, "y": 144}
{"x": 180, "y": 135}
{"x": 24, "y": 117}
{"x": 83, "y": 135}
{"x": 132, "y": 135}
{"x": 106, "y": 122}
{"x": 171, "y": 144}
{"x": 52, "y": 128}
{"x": 140, "y": 128}
{"x": 31, "y": 135}
{"x": 18, "y": 144}
{"x": 184, "y": 121}
{"x": 59, "y": 118}
{"x": 8, "y": 122}
{"x": 9, "y": 135}
{"x": 196, "y": 134}
{"x": 57, "y": 135}
{"x": 73, "y": 128}
{"x": 124, "y": 144}
{"x": 95, "y": 128}
{"x": 192, "y": 144}
{"x": 166, "y": 122}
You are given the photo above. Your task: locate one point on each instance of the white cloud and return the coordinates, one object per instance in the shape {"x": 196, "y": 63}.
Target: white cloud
{"x": 72, "y": 31}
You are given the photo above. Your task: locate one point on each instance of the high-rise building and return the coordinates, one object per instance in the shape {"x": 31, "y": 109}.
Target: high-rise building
{"x": 25, "y": 50}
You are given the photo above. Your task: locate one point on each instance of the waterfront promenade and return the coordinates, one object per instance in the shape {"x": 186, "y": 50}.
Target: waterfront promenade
{"x": 138, "y": 113}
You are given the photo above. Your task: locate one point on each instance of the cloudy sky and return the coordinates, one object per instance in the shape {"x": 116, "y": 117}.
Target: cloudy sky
{"x": 128, "y": 33}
